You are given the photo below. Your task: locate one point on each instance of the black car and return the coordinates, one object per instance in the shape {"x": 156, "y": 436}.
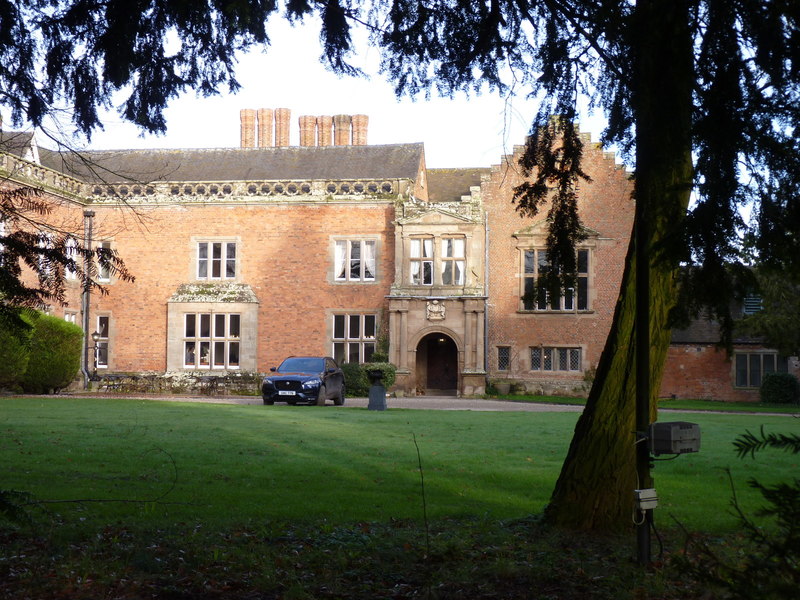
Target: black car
{"x": 304, "y": 380}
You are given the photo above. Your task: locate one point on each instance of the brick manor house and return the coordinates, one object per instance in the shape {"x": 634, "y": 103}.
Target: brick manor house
{"x": 243, "y": 256}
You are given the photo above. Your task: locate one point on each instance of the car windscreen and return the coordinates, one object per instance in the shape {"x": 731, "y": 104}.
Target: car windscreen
{"x": 302, "y": 365}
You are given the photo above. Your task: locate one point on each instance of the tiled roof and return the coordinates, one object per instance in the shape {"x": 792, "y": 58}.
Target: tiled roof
{"x": 706, "y": 331}
{"x": 17, "y": 143}
{"x": 391, "y": 161}
{"x": 448, "y": 185}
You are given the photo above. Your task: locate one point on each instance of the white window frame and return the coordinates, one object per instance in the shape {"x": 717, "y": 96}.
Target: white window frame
{"x": 354, "y": 336}
{"x": 208, "y": 262}
{"x": 355, "y": 260}
{"x": 453, "y": 260}
{"x": 104, "y": 272}
{"x": 102, "y": 353}
{"x": 570, "y": 299}
{"x": 421, "y": 258}
{"x": 213, "y": 341}
{"x": 71, "y": 316}
{"x": 45, "y": 243}
{"x": 71, "y": 252}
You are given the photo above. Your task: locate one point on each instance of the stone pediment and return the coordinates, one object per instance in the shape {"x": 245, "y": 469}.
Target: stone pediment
{"x": 541, "y": 229}
{"x": 434, "y": 216}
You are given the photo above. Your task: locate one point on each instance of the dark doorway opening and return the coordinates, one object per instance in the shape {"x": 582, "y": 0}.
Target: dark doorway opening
{"x": 437, "y": 365}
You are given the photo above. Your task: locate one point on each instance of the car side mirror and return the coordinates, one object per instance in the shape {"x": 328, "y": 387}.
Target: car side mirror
{"x": 331, "y": 370}
{"x": 273, "y": 369}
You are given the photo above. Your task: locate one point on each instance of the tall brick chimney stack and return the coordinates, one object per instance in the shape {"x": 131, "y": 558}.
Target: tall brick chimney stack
{"x": 360, "y": 124}
{"x": 308, "y": 130}
{"x": 247, "y": 118}
{"x": 341, "y": 130}
{"x": 282, "y": 126}
{"x": 265, "y": 121}
{"x": 325, "y": 130}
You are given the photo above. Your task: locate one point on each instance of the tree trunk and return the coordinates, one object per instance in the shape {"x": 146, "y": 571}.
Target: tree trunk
{"x": 595, "y": 487}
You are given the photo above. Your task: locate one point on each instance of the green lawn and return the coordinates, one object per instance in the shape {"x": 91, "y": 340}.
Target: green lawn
{"x": 172, "y": 500}
{"x": 667, "y": 403}
{"x": 232, "y": 464}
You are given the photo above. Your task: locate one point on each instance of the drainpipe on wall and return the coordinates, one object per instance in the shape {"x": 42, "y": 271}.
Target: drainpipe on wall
{"x": 486, "y": 293}
{"x": 88, "y": 220}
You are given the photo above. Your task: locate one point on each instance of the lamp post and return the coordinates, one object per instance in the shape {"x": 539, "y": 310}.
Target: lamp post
{"x": 96, "y": 349}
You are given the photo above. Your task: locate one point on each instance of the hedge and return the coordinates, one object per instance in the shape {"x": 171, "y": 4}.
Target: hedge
{"x": 780, "y": 388}
{"x": 55, "y": 355}
{"x": 14, "y": 355}
{"x": 357, "y": 381}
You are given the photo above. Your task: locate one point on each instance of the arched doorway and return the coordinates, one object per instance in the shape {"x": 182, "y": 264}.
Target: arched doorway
{"x": 437, "y": 365}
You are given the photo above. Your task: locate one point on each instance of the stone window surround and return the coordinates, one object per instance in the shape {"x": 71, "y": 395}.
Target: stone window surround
{"x": 377, "y": 248}
{"x": 539, "y": 243}
{"x": 248, "y": 327}
{"x": 526, "y": 276}
{"x": 194, "y": 253}
{"x": 104, "y": 274}
{"x": 229, "y": 337}
{"x": 780, "y": 365}
{"x": 436, "y": 258}
{"x": 556, "y": 353}
{"x": 104, "y": 325}
{"x": 364, "y": 341}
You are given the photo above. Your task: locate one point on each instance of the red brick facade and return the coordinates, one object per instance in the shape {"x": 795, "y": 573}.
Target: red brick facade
{"x": 244, "y": 256}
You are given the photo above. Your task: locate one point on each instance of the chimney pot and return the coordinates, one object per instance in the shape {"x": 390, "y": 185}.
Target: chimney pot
{"x": 308, "y": 130}
{"x": 360, "y": 125}
{"x": 341, "y": 130}
{"x": 282, "y": 126}
{"x": 247, "y": 118}
{"x": 265, "y": 126}
{"x": 325, "y": 130}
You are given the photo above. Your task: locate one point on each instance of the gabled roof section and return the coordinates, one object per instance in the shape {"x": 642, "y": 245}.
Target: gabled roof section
{"x": 449, "y": 185}
{"x": 391, "y": 161}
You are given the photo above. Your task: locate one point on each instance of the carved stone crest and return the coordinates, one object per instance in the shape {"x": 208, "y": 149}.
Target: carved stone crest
{"x": 435, "y": 311}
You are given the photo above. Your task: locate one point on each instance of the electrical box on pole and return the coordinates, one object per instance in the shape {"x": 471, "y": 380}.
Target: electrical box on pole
{"x": 676, "y": 437}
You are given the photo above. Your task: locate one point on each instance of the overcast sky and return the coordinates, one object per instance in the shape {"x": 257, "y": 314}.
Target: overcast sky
{"x": 462, "y": 132}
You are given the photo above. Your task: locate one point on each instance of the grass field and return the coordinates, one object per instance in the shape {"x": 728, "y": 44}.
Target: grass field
{"x": 169, "y": 500}
{"x": 231, "y": 464}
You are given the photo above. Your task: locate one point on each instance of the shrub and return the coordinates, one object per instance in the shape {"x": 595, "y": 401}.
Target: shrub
{"x": 780, "y": 388}
{"x": 14, "y": 356}
{"x": 55, "y": 355}
{"x": 357, "y": 381}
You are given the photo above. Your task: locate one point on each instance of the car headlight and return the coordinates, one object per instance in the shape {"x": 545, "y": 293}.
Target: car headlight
{"x": 311, "y": 384}
{"x": 268, "y": 382}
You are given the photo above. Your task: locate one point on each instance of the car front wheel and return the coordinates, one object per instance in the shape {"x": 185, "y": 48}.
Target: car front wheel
{"x": 321, "y": 396}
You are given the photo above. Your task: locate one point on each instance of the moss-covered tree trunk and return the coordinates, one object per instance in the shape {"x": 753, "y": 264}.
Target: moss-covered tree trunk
{"x": 595, "y": 487}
